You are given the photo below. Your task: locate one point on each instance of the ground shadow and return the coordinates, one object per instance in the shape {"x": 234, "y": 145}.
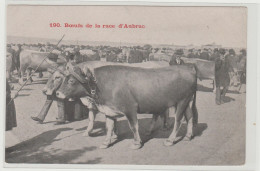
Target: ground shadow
{"x": 38, "y": 82}
{"x": 227, "y": 99}
{"x": 26, "y": 89}
{"x": 233, "y": 92}
{"x": 33, "y": 150}
{"x": 98, "y": 130}
{"x": 23, "y": 95}
{"x": 124, "y": 131}
{"x": 203, "y": 88}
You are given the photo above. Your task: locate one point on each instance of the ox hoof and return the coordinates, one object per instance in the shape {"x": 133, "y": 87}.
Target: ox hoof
{"x": 115, "y": 136}
{"x": 86, "y": 134}
{"x": 104, "y": 145}
{"x": 188, "y": 138}
{"x": 168, "y": 142}
{"x": 136, "y": 146}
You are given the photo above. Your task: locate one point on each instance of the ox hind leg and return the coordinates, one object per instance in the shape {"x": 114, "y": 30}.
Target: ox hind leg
{"x": 166, "y": 116}
{"x": 189, "y": 118}
{"x": 181, "y": 107}
{"x": 214, "y": 86}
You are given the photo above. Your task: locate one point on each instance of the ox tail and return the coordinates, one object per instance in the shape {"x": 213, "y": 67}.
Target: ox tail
{"x": 194, "y": 110}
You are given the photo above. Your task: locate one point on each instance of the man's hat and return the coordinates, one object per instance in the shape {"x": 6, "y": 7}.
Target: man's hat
{"x": 222, "y": 51}
{"x": 243, "y": 51}
{"x": 231, "y": 51}
{"x": 216, "y": 50}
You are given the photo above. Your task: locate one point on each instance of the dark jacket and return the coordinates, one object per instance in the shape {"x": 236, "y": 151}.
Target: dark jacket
{"x": 191, "y": 55}
{"x": 10, "y": 110}
{"x": 214, "y": 56}
{"x": 222, "y": 68}
{"x": 204, "y": 55}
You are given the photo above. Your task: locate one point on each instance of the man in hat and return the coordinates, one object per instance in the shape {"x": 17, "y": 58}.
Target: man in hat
{"x": 191, "y": 54}
{"x": 197, "y": 54}
{"x": 204, "y": 55}
{"x": 242, "y": 67}
{"x": 233, "y": 61}
{"x": 215, "y": 55}
{"x": 176, "y": 58}
{"x": 222, "y": 76}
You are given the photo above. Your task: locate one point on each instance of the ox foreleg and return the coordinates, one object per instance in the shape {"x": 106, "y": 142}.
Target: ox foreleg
{"x": 133, "y": 123}
{"x": 115, "y": 131}
{"x": 110, "y": 123}
{"x": 181, "y": 106}
{"x": 91, "y": 116}
{"x": 151, "y": 129}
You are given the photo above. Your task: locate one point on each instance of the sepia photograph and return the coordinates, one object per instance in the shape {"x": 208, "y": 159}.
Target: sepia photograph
{"x": 126, "y": 85}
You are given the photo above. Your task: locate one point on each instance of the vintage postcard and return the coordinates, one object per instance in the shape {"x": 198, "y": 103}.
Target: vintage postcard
{"x": 136, "y": 85}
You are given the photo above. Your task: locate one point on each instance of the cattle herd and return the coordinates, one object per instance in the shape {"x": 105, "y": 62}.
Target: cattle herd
{"x": 105, "y": 80}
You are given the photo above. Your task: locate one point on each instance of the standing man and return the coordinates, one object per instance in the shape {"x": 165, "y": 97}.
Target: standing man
{"x": 191, "y": 54}
{"x": 176, "y": 58}
{"x": 10, "y": 113}
{"x": 204, "y": 55}
{"x": 222, "y": 67}
{"x": 215, "y": 55}
{"x": 45, "y": 109}
{"x": 197, "y": 54}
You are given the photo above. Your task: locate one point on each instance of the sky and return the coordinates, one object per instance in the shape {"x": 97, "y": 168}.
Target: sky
{"x": 226, "y": 26}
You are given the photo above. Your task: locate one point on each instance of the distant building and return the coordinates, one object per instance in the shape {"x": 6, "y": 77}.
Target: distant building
{"x": 211, "y": 46}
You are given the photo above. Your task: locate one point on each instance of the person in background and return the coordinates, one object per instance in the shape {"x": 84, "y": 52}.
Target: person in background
{"x": 215, "y": 55}
{"x": 77, "y": 57}
{"x": 176, "y": 58}
{"x": 210, "y": 52}
{"x": 242, "y": 67}
{"x": 233, "y": 61}
{"x": 197, "y": 54}
{"x": 222, "y": 76}
{"x": 45, "y": 109}
{"x": 10, "y": 114}
{"x": 204, "y": 55}
{"x": 191, "y": 54}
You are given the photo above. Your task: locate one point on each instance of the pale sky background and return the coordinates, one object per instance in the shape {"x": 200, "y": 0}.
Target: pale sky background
{"x": 226, "y": 26}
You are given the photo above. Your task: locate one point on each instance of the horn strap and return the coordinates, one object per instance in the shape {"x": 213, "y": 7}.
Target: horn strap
{"x": 77, "y": 76}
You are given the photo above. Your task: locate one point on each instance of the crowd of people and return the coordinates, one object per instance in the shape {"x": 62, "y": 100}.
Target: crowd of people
{"x": 227, "y": 63}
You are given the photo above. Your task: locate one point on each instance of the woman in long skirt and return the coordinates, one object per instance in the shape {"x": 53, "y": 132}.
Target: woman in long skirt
{"x": 10, "y": 110}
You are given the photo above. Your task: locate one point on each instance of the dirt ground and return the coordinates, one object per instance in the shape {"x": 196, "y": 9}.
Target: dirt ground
{"x": 220, "y": 135}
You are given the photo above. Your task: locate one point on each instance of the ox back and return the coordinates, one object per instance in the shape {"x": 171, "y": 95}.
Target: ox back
{"x": 31, "y": 59}
{"x": 205, "y": 69}
{"x": 142, "y": 90}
